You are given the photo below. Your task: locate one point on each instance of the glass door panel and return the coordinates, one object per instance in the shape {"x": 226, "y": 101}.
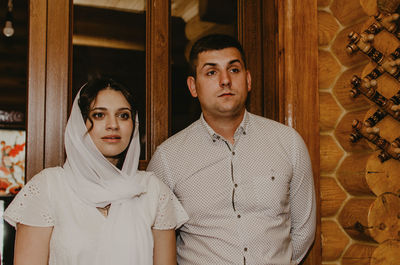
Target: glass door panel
{"x": 191, "y": 20}
{"x": 109, "y": 39}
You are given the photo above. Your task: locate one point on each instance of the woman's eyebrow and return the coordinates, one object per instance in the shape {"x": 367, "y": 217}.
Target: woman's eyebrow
{"x": 99, "y": 108}
{"x": 125, "y": 108}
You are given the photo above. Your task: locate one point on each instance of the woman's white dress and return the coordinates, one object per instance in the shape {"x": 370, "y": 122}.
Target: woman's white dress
{"x": 80, "y": 230}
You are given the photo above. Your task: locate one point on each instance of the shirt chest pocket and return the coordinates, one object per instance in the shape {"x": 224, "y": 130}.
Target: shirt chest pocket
{"x": 272, "y": 191}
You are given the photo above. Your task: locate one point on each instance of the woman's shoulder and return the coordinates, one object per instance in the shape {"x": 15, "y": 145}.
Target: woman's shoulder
{"x": 47, "y": 174}
{"x": 152, "y": 183}
{"x": 47, "y": 179}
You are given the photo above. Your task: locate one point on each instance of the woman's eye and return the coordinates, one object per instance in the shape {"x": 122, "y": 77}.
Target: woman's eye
{"x": 98, "y": 115}
{"x": 124, "y": 116}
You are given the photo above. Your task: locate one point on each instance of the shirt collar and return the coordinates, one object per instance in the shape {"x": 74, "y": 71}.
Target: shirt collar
{"x": 242, "y": 129}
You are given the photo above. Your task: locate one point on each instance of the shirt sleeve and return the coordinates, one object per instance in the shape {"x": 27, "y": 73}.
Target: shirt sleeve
{"x": 170, "y": 213}
{"x": 31, "y": 206}
{"x": 159, "y": 167}
{"x": 302, "y": 201}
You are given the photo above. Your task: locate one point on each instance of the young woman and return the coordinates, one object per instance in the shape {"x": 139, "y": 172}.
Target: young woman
{"x": 98, "y": 208}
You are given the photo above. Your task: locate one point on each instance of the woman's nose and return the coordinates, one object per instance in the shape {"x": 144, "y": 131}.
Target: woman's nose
{"x": 112, "y": 123}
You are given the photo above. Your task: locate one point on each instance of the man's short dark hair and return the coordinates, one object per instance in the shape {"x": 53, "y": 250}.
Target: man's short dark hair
{"x": 213, "y": 42}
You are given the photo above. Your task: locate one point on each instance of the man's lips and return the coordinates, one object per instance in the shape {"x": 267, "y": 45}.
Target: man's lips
{"x": 226, "y": 94}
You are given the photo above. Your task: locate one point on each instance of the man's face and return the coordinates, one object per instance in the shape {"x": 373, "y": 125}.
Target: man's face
{"x": 221, "y": 84}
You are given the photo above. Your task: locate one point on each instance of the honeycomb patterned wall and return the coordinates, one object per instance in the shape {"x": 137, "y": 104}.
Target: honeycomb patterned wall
{"x": 346, "y": 197}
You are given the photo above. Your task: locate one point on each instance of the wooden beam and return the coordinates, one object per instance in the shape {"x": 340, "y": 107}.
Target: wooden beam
{"x": 158, "y": 81}
{"x": 250, "y": 26}
{"x": 298, "y": 85}
{"x": 36, "y": 87}
{"x": 58, "y": 67}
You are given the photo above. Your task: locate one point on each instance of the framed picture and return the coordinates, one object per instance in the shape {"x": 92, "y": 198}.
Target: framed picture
{"x": 12, "y": 161}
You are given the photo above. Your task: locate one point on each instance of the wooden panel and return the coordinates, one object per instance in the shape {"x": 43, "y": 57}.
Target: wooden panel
{"x": 354, "y": 218}
{"x": 330, "y": 154}
{"x": 334, "y": 240}
{"x": 358, "y": 254}
{"x": 269, "y": 43}
{"x": 36, "y": 87}
{"x": 351, "y": 174}
{"x": 298, "y": 85}
{"x": 382, "y": 177}
{"x": 332, "y": 197}
{"x": 383, "y": 218}
{"x": 57, "y": 80}
{"x": 387, "y": 253}
{"x": 250, "y": 28}
{"x": 158, "y": 73}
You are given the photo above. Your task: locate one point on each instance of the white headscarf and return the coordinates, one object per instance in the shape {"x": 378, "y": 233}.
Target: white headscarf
{"x": 98, "y": 182}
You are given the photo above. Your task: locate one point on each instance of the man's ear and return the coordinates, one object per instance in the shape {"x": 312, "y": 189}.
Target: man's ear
{"x": 191, "y": 83}
{"x": 248, "y": 81}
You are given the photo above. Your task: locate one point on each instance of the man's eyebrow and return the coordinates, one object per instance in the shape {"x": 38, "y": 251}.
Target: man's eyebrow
{"x": 229, "y": 63}
{"x": 235, "y": 61}
{"x": 208, "y": 64}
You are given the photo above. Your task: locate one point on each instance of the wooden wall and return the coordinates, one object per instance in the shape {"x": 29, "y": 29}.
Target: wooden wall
{"x": 349, "y": 200}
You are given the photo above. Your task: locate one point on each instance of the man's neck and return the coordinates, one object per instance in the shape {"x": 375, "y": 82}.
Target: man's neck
{"x": 225, "y": 126}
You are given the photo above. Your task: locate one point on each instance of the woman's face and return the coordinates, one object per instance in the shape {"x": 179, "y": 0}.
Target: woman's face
{"x": 112, "y": 123}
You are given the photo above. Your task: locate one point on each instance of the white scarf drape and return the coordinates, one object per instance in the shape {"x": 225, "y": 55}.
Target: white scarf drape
{"x": 126, "y": 237}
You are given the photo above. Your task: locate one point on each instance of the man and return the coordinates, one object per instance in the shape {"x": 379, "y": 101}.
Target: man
{"x": 245, "y": 181}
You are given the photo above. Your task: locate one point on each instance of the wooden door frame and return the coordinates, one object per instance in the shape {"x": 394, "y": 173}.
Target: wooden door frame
{"x": 280, "y": 39}
{"x": 298, "y": 86}
{"x": 281, "y": 42}
{"x": 49, "y": 70}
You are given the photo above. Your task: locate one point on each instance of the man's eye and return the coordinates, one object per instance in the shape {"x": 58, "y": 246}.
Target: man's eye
{"x": 235, "y": 70}
{"x": 211, "y": 72}
{"x": 98, "y": 115}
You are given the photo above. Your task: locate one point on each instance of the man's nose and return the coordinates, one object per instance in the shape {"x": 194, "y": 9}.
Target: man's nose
{"x": 225, "y": 79}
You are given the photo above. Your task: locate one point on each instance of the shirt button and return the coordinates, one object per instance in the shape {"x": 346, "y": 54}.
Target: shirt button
{"x": 233, "y": 153}
{"x": 236, "y": 185}
{"x": 245, "y": 249}
{"x": 238, "y": 216}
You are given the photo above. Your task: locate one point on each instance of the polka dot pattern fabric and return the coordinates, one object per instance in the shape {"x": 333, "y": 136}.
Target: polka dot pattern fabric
{"x": 252, "y": 202}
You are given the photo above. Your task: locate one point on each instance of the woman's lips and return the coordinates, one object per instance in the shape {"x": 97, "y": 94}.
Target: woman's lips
{"x": 111, "y": 138}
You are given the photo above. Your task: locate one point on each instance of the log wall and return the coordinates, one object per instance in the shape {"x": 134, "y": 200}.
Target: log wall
{"x": 360, "y": 204}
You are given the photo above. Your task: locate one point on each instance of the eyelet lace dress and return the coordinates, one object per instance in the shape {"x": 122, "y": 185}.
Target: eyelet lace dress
{"x": 48, "y": 201}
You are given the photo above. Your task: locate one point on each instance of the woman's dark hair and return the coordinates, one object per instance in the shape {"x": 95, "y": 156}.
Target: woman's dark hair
{"x": 210, "y": 43}
{"x": 89, "y": 93}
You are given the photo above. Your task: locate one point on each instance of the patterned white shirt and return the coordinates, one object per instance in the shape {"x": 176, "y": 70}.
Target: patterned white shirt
{"x": 252, "y": 202}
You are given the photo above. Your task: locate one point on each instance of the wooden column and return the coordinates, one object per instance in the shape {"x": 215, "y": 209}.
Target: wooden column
{"x": 58, "y": 71}
{"x": 298, "y": 84}
{"x": 35, "y": 114}
{"x": 158, "y": 81}
{"x": 250, "y": 35}
{"x": 48, "y": 74}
